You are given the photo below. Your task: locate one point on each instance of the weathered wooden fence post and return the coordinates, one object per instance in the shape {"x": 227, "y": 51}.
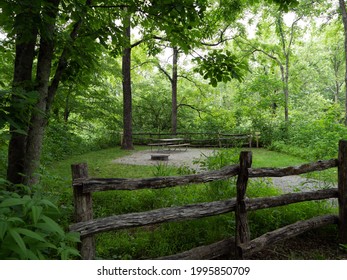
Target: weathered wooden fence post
{"x": 342, "y": 186}
{"x": 242, "y": 228}
{"x": 83, "y": 210}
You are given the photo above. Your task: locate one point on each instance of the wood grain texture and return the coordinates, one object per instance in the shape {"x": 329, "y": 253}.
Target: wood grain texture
{"x": 102, "y": 184}
{"x": 293, "y": 170}
{"x": 157, "y": 216}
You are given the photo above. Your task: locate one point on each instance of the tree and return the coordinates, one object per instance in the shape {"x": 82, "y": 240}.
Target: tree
{"x": 173, "y": 78}
{"x": 150, "y": 17}
{"x": 280, "y": 55}
{"x": 344, "y": 20}
{"x": 25, "y": 144}
{"x": 29, "y": 21}
{"x": 126, "y": 82}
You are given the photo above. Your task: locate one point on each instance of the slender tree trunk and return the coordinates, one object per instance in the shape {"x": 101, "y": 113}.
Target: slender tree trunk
{"x": 127, "y": 94}
{"x": 174, "y": 82}
{"x": 38, "y": 119}
{"x": 66, "y": 109}
{"x": 286, "y": 90}
{"x": 285, "y": 70}
{"x": 344, "y": 19}
{"x": 337, "y": 91}
{"x": 22, "y": 83}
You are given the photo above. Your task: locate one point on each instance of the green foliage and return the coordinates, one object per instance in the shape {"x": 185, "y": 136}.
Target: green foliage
{"x": 23, "y": 101}
{"x": 152, "y": 108}
{"x": 221, "y": 67}
{"x": 315, "y": 139}
{"x": 219, "y": 159}
{"x": 60, "y": 142}
{"x": 28, "y": 229}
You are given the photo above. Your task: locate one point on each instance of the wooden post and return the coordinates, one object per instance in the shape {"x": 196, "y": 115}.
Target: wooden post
{"x": 83, "y": 210}
{"x": 219, "y": 140}
{"x": 121, "y": 138}
{"x": 257, "y": 135}
{"x": 242, "y": 228}
{"x": 342, "y": 187}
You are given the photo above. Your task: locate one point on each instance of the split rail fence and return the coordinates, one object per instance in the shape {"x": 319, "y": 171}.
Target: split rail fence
{"x": 241, "y": 245}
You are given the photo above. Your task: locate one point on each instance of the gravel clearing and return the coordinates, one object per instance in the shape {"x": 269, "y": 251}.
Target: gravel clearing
{"x": 186, "y": 158}
{"x": 176, "y": 158}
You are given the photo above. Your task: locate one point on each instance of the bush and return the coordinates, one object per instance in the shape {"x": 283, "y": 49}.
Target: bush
{"x": 28, "y": 230}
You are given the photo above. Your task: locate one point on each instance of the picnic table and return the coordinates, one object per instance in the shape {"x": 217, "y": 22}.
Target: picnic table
{"x": 169, "y": 144}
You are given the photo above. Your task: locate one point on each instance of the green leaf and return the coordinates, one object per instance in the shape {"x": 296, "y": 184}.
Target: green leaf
{"x": 31, "y": 255}
{"x": 18, "y": 239}
{"x": 15, "y": 219}
{"x": 31, "y": 234}
{"x": 66, "y": 252}
{"x": 3, "y": 229}
{"x": 48, "y": 203}
{"x": 12, "y": 202}
{"x": 52, "y": 225}
{"x": 73, "y": 237}
{"x": 36, "y": 213}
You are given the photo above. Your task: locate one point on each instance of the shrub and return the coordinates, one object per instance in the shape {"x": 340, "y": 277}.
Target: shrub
{"x": 28, "y": 229}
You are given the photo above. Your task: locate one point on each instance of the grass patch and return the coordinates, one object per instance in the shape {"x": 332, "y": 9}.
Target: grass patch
{"x": 266, "y": 158}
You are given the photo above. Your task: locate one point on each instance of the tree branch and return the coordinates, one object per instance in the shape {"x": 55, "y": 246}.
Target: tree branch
{"x": 192, "y": 81}
{"x": 192, "y": 107}
{"x": 165, "y": 72}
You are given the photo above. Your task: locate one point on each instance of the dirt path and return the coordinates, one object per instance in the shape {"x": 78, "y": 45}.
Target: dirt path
{"x": 186, "y": 158}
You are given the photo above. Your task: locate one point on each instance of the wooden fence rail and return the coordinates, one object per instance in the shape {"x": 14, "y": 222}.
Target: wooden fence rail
{"x": 242, "y": 244}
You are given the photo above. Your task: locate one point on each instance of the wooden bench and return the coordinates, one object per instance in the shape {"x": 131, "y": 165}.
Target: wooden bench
{"x": 159, "y": 145}
{"x": 163, "y": 157}
{"x": 183, "y": 145}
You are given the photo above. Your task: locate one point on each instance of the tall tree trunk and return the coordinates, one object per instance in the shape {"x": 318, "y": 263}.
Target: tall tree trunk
{"x": 24, "y": 154}
{"x": 38, "y": 119}
{"x": 285, "y": 70}
{"x": 344, "y": 19}
{"x": 127, "y": 95}
{"x": 286, "y": 90}
{"x": 174, "y": 81}
{"x": 26, "y": 35}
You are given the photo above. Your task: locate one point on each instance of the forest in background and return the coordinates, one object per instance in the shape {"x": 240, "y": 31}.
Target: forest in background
{"x": 75, "y": 74}
{"x": 230, "y": 66}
